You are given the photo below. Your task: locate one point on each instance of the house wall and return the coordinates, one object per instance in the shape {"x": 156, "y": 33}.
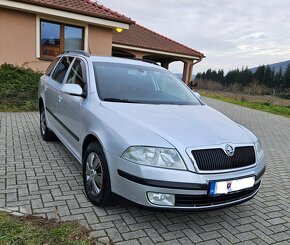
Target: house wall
{"x": 100, "y": 40}
{"x": 18, "y": 40}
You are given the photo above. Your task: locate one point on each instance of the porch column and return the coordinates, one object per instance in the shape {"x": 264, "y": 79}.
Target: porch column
{"x": 187, "y": 72}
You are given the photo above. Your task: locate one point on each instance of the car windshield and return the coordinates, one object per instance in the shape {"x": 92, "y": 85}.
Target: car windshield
{"x": 140, "y": 84}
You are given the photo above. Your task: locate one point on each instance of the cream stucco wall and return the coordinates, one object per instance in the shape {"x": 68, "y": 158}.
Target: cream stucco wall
{"x": 18, "y": 39}
{"x": 100, "y": 40}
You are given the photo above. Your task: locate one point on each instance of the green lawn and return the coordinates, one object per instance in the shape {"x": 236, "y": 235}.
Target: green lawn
{"x": 34, "y": 230}
{"x": 279, "y": 110}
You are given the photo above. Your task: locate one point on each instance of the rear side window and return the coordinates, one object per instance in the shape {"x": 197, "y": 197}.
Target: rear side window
{"x": 51, "y": 66}
{"x": 61, "y": 69}
{"x": 77, "y": 74}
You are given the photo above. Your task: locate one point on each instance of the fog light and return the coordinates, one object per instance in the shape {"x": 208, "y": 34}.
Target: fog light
{"x": 161, "y": 199}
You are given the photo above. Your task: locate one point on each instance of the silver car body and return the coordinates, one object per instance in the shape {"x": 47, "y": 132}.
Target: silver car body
{"x": 117, "y": 126}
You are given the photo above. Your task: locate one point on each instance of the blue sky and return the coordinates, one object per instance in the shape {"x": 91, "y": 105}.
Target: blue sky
{"x": 231, "y": 33}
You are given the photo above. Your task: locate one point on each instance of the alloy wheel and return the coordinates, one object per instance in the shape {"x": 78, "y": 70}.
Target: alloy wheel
{"x": 43, "y": 122}
{"x": 94, "y": 174}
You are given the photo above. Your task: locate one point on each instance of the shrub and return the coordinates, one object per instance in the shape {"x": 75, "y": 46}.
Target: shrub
{"x": 18, "y": 88}
{"x": 209, "y": 85}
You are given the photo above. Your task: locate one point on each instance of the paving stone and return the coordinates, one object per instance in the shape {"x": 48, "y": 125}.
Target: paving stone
{"x": 145, "y": 241}
{"x": 114, "y": 235}
{"x": 133, "y": 234}
{"x": 172, "y": 235}
{"x": 279, "y": 237}
{"x": 192, "y": 235}
{"x": 44, "y": 179}
{"x": 131, "y": 242}
{"x": 210, "y": 235}
{"x": 246, "y": 236}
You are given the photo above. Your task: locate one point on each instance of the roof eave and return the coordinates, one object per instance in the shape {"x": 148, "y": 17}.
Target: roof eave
{"x": 173, "y": 54}
{"x": 63, "y": 14}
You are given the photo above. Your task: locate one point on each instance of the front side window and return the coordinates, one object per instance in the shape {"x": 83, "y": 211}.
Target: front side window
{"x": 77, "y": 74}
{"x": 61, "y": 69}
{"x": 57, "y": 38}
{"x": 140, "y": 84}
{"x": 51, "y": 66}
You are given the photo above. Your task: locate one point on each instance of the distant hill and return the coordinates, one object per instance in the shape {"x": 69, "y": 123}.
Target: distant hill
{"x": 275, "y": 66}
{"x": 180, "y": 76}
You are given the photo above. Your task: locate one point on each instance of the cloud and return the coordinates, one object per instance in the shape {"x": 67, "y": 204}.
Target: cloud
{"x": 230, "y": 33}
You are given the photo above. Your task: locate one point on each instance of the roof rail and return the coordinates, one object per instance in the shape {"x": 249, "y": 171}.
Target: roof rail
{"x": 77, "y": 52}
{"x": 144, "y": 60}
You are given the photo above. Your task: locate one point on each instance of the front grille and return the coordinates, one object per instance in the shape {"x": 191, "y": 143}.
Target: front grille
{"x": 217, "y": 159}
{"x": 205, "y": 200}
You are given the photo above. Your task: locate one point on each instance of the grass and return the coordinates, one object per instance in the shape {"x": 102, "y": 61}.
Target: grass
{"x": 265, "y": 106}
{"x": 30, "y": 230}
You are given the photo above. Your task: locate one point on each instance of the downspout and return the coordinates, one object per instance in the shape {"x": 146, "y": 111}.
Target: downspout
{"x": 197, "y": 63}
{"x": 199, "y": 60}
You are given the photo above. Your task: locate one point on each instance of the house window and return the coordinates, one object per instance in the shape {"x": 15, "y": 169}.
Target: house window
{"x": 73, "y": 38}
{"x": 57, "y": 38}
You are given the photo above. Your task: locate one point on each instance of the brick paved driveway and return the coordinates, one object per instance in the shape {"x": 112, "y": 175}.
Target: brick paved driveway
{"x": 44, "y": 179}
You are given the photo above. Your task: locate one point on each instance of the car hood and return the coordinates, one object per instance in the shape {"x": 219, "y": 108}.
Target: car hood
{"x": 186, "y": 125}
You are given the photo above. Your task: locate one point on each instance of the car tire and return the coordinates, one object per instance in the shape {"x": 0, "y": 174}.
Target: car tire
{"x": 46, "y": 133}
{"x": 96, "y": 175}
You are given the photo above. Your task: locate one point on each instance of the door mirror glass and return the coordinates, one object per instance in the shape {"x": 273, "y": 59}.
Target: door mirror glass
{"x": 72, "y": 89}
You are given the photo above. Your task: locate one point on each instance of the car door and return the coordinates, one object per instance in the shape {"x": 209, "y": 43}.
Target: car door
{"x": 52, "y": 87}
{"x": 47, "y": 91}
{"x": 70, "y": 107}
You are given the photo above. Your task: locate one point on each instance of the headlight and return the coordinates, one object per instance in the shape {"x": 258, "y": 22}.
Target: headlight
{"x": 156, "y": 157}
{"x": 259, "y": 150}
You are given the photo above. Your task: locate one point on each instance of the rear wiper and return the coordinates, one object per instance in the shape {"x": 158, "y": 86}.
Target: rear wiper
{"x": 120, "y": 100}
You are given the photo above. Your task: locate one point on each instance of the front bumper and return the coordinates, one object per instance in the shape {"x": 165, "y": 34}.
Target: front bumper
{"x": 133, "y": 182}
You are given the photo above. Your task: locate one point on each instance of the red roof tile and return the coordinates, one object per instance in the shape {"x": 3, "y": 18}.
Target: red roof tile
{"x": 84, "y": 7}
{"x": 141, "y": 37}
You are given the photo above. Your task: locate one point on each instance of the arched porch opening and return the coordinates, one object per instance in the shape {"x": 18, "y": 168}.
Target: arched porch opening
{"x": 165, "y": 61}
{"x": 116, "y": 52}
{"x": 176, "y": 67}
{"x": 162, "y": 59}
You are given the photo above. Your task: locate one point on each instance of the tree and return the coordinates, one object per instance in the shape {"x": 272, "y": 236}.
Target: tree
{"x": 278, "y": 79}
{"x": 245, "y": 77}
{"x": 287, "y": 77}
{"x": 259, "y": 74}
{"x": 232, "y": 77}
{"x": 268, "y": 78}
{"x": 198, "y": 76}
{"x": 220, "y": 75}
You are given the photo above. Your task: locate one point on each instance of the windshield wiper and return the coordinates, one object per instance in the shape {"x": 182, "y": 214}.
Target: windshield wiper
{"x": 120, "y": 100}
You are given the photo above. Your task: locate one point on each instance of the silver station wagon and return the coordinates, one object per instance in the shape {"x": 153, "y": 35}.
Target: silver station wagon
{"x": 140, "y": 133}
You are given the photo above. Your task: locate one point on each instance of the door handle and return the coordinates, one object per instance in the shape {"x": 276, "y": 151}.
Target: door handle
{"x": 59, "y": 98}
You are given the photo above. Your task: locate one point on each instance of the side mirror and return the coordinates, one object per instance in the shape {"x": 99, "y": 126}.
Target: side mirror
{"x": 197, "y": 95}
{"x": 72, "y": 89}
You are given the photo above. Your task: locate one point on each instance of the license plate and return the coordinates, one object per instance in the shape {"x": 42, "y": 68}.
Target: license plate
{"x": 228, "y": 186}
